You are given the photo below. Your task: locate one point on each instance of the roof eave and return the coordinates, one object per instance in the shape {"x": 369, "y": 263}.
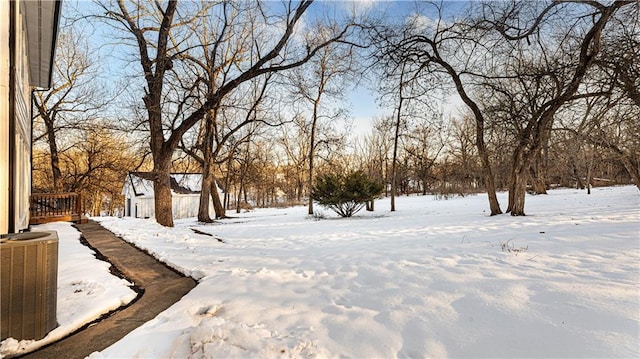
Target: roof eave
{"x": 42, "y": 22}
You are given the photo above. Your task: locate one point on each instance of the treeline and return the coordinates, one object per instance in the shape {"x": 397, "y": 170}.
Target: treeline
{"x": 251, "y": 95}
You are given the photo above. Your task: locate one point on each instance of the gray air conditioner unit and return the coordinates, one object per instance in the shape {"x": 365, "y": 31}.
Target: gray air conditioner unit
{"x": 29, "y": 284}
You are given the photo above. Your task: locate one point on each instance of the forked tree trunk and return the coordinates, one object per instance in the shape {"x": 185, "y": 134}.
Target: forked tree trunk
{"x": 589, "y": 48}
{"x": 539, "y": 174}
{"x": 518, "y": 182}
{"x": 519, "y": 191}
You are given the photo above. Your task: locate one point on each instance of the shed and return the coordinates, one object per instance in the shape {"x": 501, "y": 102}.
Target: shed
{"x": 185, "y": 195}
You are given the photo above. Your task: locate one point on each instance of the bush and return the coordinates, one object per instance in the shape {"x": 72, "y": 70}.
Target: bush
{"x": 345, "y": 194}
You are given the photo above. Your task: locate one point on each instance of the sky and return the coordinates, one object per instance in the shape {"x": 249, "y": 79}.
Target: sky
{"x": 364, "y": 99}
{"x": 361, "y": 100}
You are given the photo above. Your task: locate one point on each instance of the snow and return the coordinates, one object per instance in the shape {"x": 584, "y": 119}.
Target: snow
{"x": 86, "y": 290}
{"x": 190, "y": 181}
{"x": 429, "y": 280}
{"x": 436, "y": 278}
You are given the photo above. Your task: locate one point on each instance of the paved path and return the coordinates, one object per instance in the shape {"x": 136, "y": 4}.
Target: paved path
{"x": 162, "y": 288}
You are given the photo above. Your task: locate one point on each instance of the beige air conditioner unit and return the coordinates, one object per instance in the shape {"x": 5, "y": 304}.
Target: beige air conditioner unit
{"x": 28, "y": 281}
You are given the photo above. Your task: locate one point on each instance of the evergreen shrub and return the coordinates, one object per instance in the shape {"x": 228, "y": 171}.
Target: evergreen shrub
{"x": 345, "y": 193}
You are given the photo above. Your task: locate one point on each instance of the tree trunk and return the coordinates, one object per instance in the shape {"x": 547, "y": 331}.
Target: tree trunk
{"x": 300, "y": 188}
{"x": 207, "y": 165}
{"x": 162, "y": 192}
{"x": 633, "y": 169}
{"x": 244, "y": 167}
{"x": 576, "y": 175}
{"x": 312, "y": 140}
{"x": 239, "y": 196}
{"x": 539, "y": 174}
{"x": 227, "y": 184}
{"x": 55, "y": 161}
{"x": 518, "y": 182}
{"x": 494, "y": 205}
{"x": 205, "y": 192}
{"x": 217, "y": 204}
{"x": 394, "y": 160}
{"x": 519, "y": 191}
{"x": 590, "y": 169}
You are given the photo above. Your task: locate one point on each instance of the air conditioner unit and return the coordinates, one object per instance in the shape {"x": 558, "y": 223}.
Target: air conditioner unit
{"x": 28, "y": 283}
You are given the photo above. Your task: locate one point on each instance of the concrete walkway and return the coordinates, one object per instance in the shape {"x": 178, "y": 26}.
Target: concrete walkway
{"x": 162, "y": 288}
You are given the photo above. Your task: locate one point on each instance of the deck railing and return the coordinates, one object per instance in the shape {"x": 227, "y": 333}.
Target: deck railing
{"x": 54, "y": 207}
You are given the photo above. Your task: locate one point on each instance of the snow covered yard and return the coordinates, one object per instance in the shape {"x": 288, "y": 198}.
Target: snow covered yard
{"x": 433, "y": 279}
{"x": 86, "y": 290}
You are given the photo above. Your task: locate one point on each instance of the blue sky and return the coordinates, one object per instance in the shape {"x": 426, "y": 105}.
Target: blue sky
{"x": 360, "y": 100}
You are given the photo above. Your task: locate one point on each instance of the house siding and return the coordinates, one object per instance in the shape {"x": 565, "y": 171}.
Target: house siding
{"x": 22, "y": 174}
{"x": 15, "y": 127}
{"x": 28, "y": 32}
{"x": 4, "y": 116}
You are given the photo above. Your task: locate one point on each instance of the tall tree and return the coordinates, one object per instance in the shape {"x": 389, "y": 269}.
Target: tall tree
{"x": 436, "y": 49}
{"x": 396, "y": 137}
{"x": 324, "y": 78}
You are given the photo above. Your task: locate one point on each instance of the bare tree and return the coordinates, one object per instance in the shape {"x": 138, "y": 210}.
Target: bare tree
{"x": 396, "y": 137}
{"x": 509, "y": 50}
{"x": 434, "y": 50}
{"x": 378, "y": 148}
{"x": 72, "y": 102}
{"x": 94, "y": 166}
{"x": 618, "y": 129}
{"x": 556, "y": 80}
{"x": 323, "y": 78}
{"x": 423, "y": 145}
{"x": 154, "y": 29}
{"x": 295, "y": 144}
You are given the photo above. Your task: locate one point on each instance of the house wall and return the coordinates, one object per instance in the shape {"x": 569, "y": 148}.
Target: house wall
{"x": 4, "y": 116}
{"x": 14, "y": 129}
{"x": 22, "y": 179}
